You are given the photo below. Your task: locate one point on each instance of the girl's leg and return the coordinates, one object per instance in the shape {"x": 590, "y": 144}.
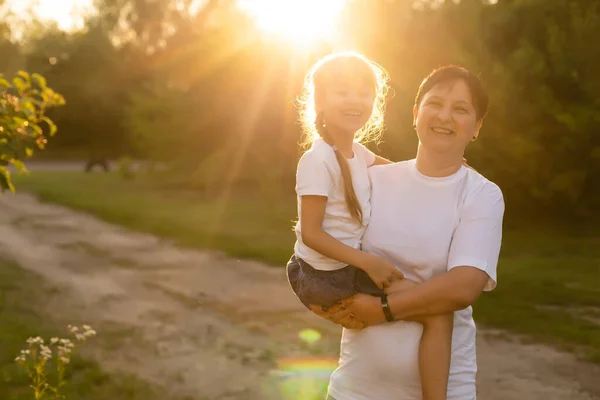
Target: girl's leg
{"x": 434, "y": 349}
{"x": 434, "y": 356}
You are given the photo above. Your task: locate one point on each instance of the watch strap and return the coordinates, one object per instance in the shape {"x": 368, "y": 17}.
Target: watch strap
{"x": 389, "y": 317}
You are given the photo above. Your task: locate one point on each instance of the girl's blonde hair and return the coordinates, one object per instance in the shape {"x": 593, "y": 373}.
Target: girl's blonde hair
{"x": 326, "y": 71}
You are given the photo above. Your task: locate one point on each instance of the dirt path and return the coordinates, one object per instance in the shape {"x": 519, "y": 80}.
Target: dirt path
{"x": 212, "y": 327}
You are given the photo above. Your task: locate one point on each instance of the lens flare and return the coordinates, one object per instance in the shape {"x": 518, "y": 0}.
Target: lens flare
{"x": 310, "y": 336}
{"x": 301, "y": 378}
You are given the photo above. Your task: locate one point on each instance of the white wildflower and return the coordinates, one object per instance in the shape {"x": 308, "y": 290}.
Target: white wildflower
{"x": 35, "y": 340}
{"x": 63, "y": 350}
{"x": 54, "y": 340}
{"x": 45, "y": 352}
{"x": 90, "y": 333}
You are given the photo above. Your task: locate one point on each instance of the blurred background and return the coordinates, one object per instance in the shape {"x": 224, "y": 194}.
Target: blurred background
{"x": 184, "y": 114}
{"x": 198, "y": 84}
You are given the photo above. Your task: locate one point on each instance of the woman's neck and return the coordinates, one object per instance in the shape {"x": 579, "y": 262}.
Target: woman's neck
{"x": 437, "y": 165}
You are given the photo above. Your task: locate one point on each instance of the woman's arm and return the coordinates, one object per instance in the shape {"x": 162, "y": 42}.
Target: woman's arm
{"x": 471, "y": 269}
{"x": 372, "y": 158}
{"x": 381, "y": 161}
{"x": 452, "y": 291}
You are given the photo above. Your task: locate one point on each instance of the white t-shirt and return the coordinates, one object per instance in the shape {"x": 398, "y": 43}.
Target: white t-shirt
{"x": 425, "y": 226}
{"x": 319, "y": 174}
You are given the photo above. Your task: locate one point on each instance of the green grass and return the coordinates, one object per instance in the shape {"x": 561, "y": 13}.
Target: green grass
{"x": 20, "y": 294}
{"x": 548, "y": 278}
{"x": 239, "y": 224}
{"x": 548, "y": 288}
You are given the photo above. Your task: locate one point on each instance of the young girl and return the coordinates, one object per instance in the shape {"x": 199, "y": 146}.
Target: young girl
{"x": 342, "y": 106}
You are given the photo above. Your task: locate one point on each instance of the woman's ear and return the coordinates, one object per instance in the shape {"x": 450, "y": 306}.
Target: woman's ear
{"x": 415, "y": 115}
{"x": 478, "y": 127}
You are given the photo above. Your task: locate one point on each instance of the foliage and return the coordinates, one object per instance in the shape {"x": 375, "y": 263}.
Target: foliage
{"x": 23, "y": 125}
{"x": 166, "y": 81}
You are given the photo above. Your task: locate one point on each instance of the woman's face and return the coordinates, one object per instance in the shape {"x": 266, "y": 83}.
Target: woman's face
{"x": 347, "y": 105}
{"x": 445, "y": 119}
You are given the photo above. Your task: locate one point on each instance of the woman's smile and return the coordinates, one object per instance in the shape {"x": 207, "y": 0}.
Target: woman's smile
{"x": 443, "y": 131}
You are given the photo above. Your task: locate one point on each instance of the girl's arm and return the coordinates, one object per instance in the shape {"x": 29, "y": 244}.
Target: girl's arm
{"x": 313, "y": 235}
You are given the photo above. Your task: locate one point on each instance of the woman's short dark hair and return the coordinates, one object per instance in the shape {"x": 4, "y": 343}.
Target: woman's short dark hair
{"x": 450, "y": 74}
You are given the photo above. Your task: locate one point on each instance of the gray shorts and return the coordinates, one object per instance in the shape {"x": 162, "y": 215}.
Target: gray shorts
{"x": 325, "y": 288}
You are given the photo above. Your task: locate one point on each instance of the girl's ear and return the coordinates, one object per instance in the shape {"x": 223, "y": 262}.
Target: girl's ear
{"x": 319, "y": 99}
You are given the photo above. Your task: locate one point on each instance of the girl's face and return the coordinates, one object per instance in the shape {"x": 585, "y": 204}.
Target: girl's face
{"x": 346, "y": 105}
{"x": 445, "y": 119}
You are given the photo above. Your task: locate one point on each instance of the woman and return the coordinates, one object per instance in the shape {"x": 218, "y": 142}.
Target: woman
{"x": 440, "y": 223}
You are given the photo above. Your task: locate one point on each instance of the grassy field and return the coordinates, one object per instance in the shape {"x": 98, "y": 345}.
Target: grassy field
{"x": 548, "y": 278}
{"x": 21, "y": 294}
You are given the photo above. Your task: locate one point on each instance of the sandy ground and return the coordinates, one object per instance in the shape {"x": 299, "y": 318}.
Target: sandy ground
{"x": 216, "y": 328}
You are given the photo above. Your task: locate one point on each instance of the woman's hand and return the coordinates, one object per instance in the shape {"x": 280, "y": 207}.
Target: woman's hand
{"x": 361, "y": 310}
{"x": 338, "y": 314}
{"x": 356, "y": 312}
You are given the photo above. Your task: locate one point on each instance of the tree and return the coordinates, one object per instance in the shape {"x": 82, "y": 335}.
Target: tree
{"x": 23, "y": 126}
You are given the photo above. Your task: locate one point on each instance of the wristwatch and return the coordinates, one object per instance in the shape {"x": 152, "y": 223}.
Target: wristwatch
{"x": 386, "y": 309}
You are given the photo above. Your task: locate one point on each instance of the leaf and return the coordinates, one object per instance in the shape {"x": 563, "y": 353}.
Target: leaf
{"x": 20, "y": 121}
{"x": 40, "y": 80}
{"x": 51, "y": 125}
{"x": 20, "y": 84}
{"x": 19, "y": 165}
{"x": 5, "y": 183}
{"x": 58, "y": 100}
{"x": 24, "y": 75}
{"x": 38, "y": 131}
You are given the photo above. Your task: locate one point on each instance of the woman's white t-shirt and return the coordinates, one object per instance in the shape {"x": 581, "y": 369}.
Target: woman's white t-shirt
{"x": 319, "y": 174}
{"x": 425, "y": 226}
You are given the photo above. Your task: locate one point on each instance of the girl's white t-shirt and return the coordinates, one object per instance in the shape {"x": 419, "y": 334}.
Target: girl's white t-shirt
{"x": 319, "y": 174}
{"x": 425, "y": 226}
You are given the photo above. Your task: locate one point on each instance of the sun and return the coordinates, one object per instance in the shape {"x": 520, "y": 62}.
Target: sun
{"x": 68, "y": 14}
{"x": 300, "y": 21}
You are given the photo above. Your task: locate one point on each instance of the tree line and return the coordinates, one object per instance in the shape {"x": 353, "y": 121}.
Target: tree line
{"x": 204, "y": 91}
